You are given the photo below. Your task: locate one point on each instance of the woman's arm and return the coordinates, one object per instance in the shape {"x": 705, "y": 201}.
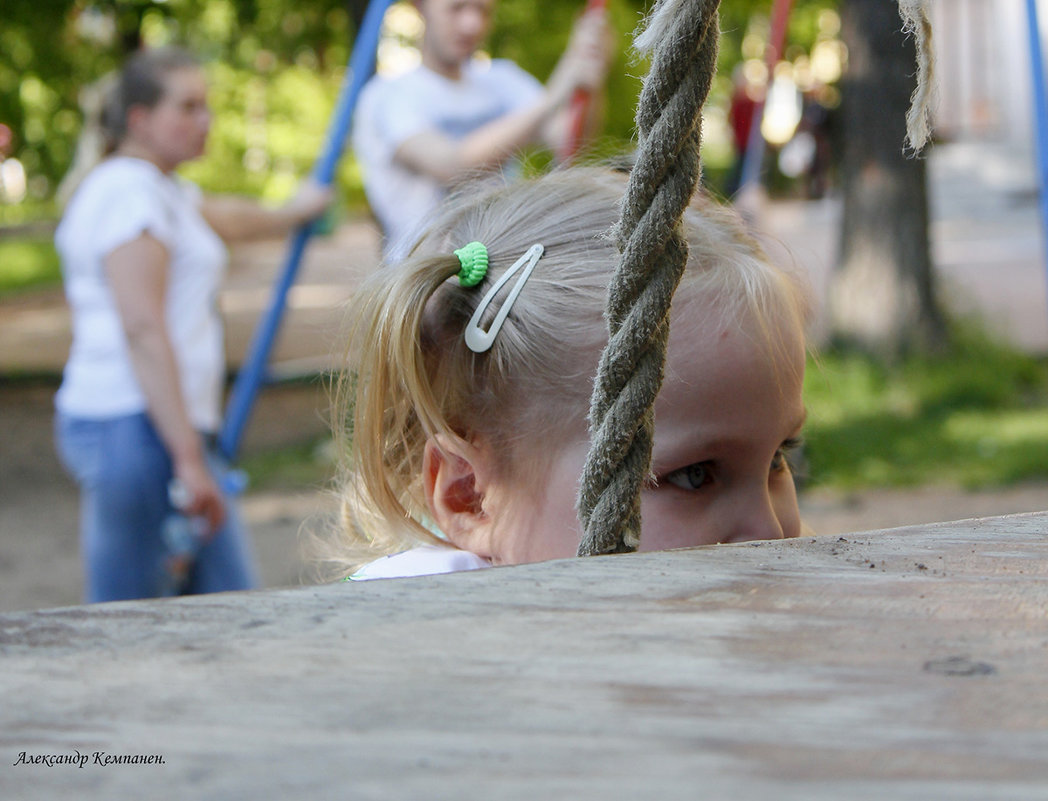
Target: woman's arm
{"x": 137, "y": 274}
{"x": 239, "y": 218}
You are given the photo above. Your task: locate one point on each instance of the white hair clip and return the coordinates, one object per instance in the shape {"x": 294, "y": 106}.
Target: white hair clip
{"x": 477, "y": 339}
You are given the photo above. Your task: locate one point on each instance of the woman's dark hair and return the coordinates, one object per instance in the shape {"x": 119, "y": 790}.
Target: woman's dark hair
{"x": 140, "y": 83}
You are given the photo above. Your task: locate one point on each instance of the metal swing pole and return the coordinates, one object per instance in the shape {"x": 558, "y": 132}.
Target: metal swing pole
{"x": 253, "y": 371}
{"x": 1040, "y": 98}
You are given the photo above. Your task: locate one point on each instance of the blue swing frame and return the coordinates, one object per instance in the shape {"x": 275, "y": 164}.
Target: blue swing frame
{"x": 253, "y": 373}
{"x": 1040, "y": 100}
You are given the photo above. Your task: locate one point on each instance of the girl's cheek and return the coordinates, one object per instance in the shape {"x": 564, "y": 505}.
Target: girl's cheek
{"x": 674, "y": 519}
{"x": 787, "y": 510}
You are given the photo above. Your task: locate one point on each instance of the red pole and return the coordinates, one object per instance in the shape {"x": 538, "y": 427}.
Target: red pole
{"x": 751, "y": 168}
{"x": 578, "y": 109}
{"x": 780, "y": 15}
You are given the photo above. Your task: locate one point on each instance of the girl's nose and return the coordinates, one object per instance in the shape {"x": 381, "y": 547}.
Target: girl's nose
{"x": 755, "y": 520}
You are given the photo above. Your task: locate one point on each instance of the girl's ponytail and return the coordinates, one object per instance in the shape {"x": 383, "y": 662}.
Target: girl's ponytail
{"x": 95, "y": 141}
{"x": 387, "y": 408}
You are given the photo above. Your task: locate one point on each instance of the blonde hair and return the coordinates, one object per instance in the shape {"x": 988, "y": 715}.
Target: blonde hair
{"x": 410, "y": 376}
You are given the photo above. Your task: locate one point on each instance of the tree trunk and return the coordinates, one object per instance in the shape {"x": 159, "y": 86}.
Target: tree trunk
{"x": 882, "y": 296}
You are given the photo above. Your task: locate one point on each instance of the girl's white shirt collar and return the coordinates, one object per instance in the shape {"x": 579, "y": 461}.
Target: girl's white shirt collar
{"x": 426, "y": 560}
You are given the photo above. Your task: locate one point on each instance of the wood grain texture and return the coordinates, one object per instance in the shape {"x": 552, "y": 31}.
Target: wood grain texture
{"x": 907, "y": 664}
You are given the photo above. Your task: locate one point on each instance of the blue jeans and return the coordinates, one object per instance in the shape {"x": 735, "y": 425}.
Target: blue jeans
{"x": 123, "y": 471}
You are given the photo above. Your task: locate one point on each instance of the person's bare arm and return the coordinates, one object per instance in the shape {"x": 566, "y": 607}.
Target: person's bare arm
{"x": 583, "y": 66}
{"x": 447, "y": 160}
{"x": 239, "y": 218}
{"x": 137, "y": 274}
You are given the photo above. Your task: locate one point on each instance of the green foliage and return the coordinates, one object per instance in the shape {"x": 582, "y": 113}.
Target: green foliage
{"x": 28, "y": 211}
{"x": 736, "y": 16}
{"x": 976, "y": 417}
{"x": 534, "y": 34}
{"x": 307, "y": 464}
{"x": 50, "y": 49}
{"x": 26, "y": 263}
{"x": 266, "y": 131}
{"x": 275, "y": 68}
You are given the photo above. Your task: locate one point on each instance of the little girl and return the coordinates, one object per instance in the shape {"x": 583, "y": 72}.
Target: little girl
{"x": 466, "y": 397}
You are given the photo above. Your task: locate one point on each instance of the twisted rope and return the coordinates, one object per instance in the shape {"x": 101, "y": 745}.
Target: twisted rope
{"x": 914, "y": 15}
{"x": 683, "y": 35}
{"x": 653, "y": 252}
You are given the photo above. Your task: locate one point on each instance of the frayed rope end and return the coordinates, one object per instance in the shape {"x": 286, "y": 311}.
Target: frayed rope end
{"x": 914, "y": 15}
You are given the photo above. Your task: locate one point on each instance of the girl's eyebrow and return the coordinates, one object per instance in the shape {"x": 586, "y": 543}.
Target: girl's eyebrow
{"x": 687, "y": 451}
{"x": 678, "y": 451}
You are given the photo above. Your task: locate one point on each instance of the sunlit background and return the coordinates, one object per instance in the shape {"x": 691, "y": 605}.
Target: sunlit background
{"x": 275, "y": 77}
{"x": 275, "y": 68}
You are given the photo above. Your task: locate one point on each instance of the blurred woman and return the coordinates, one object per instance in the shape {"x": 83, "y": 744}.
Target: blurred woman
{"x": 143, "y": 257}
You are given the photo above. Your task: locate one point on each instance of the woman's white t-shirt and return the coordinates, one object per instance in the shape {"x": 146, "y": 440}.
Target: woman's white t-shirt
{"x": 118, "y": 201}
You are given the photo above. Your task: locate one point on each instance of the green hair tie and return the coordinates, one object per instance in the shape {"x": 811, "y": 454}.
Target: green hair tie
{"x": 474, "y": 260}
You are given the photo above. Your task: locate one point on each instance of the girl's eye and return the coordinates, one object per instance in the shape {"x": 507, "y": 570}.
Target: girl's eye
{"x": 691, "y": 477}
{"x": 781, "y": 460}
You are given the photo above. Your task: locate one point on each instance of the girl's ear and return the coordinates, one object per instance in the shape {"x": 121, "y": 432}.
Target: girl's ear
{"x": 455, "y": 478}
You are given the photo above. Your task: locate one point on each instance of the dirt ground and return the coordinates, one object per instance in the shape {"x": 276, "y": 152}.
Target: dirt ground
{"x": 40, "y": 566}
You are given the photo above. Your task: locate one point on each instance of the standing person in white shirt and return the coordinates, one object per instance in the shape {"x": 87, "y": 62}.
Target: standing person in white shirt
{"x": 143, "y": 257}
{"x": 455, "y": 115}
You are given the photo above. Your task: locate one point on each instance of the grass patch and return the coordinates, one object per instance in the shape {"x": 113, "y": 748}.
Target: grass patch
{"x": 977, "y": 417}
{"x": 307, "y": 464}
{"x": 28, "y": 263}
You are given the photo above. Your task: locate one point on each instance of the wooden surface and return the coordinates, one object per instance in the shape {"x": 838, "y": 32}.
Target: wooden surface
{"x": 909, "y": 664}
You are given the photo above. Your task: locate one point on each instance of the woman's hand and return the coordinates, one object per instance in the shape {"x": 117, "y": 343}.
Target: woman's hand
{"x": 203, "y": 497}
{"x": 309, "y": 202}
